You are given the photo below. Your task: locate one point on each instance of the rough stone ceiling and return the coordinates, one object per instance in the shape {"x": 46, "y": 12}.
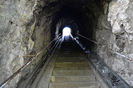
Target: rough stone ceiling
{"x": 84, "y": 12}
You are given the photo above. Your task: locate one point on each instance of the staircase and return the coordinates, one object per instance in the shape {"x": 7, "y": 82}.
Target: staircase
{"x": 68, "y": 68}
{"x": 72, "y": 70}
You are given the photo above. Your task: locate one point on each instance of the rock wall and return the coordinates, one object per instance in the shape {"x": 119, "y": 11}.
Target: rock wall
{"x": 115, "y": 37}
{"x": 13, "y": 19}
{"x": 23, "y": 31}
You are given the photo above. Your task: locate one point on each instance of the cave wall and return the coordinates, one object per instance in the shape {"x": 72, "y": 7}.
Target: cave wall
{"x": 114, "y": 34}
{"x": 23, "y": 31}
{"x": 13, "y": 19}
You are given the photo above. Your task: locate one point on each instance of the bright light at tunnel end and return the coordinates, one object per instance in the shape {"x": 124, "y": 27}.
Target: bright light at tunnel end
{"x": 66, "y": 31}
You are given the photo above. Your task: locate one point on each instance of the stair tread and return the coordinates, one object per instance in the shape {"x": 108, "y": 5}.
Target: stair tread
{"x": 74, "y": 85}
{"x": 72, "y": 72}
{"x": 71, "y": 64}
{"x": 72, "y": 78}
{"x": 65, "y": 62}
{"x": 73, "y": 68}
{"x": 71, "y": 60}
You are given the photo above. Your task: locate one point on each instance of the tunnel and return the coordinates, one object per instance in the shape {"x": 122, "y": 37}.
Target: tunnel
{"x": 76, "y": 18}
{"x": 99, "y": 33}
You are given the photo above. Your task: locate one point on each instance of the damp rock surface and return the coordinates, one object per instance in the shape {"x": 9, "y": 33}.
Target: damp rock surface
{"x": 115, "y": 43}
{"x": 13, "y": 19}
{"x": 17, "y": 24}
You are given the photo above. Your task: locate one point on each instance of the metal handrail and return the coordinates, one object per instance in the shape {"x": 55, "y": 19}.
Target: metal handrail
{"x": 93, "y": 41}
{"x": 26, "y": 64}
{"x": 121, "y": 55}
{"x": 32, "y": 77}
{"x": 111, "y": 78}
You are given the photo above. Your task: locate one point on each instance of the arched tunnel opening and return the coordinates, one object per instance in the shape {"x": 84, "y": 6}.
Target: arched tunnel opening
{"x": 79, "y": 18}
{"x": 100, "y": 30}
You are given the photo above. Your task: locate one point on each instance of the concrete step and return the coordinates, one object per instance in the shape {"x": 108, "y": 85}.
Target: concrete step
{"x": 72, "y": 55}
{"x": 73, "y": 68}
{"x": 73, "y": 59}
{"x": 73, "y": 85}
{"x": 71, "y": 64}
{"x": 72, "y": 73}
{"x": 57, "y": 79}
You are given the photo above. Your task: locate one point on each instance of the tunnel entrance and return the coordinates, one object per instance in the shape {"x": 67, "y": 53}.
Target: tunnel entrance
{"x": 81, "y": 16}
{"x": 66, "y": 31}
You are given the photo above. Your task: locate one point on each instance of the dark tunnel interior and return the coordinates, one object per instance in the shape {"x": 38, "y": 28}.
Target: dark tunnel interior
{"x": 81, "y": 16}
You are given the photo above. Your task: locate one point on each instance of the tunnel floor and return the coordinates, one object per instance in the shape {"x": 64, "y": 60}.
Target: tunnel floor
{"x": 68, "y": 68}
